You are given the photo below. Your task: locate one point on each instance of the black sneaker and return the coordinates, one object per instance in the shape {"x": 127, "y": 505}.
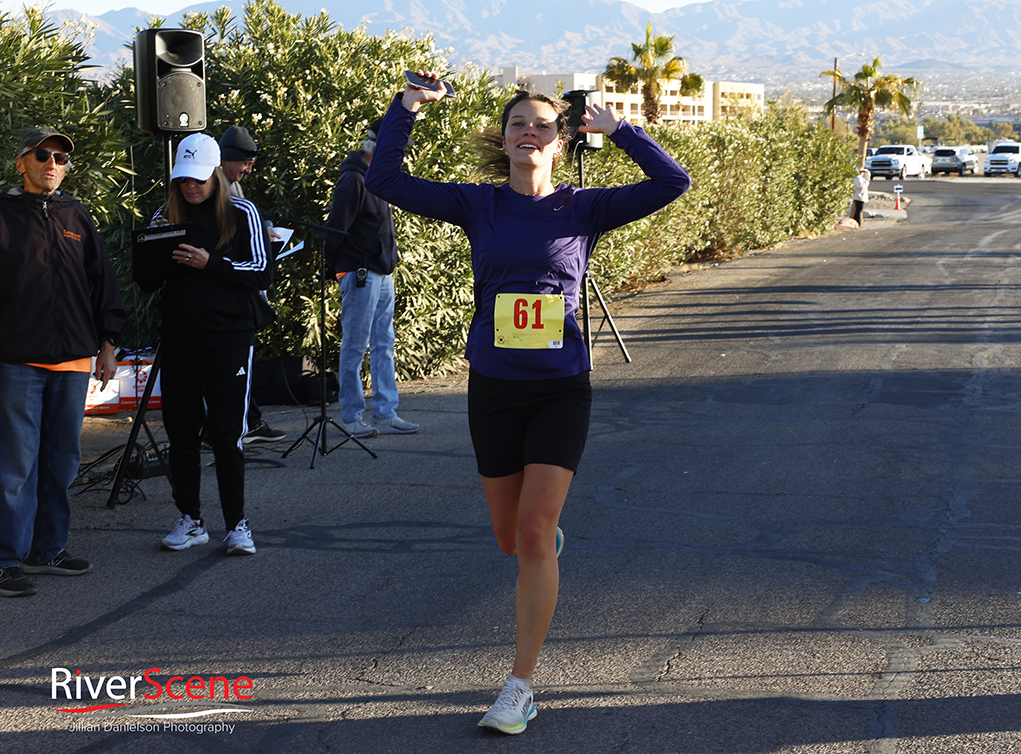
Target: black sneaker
{"x": 61, "y": 564}
{"x": 264, "y": 433}
{"x": 14, "y": 584}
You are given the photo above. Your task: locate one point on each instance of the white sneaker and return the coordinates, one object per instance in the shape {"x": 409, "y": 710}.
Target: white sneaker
{"x": 560, "y": 541}
{"x": 395, "y": 425}
{"x": 512, "y": 709}
{"x": 185, "y": 534}
{"x": 359, "y": 429}
{"x": 239, "y": 539}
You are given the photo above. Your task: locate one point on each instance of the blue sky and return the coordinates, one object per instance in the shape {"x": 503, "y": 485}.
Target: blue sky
{"x": 166, "y": 7}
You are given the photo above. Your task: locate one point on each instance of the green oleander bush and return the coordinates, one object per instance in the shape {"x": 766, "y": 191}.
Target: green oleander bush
{"x": 307, "y": 89}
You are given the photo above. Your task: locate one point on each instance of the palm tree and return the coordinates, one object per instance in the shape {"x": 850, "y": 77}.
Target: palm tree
{"x": 867, "y": 92}
{"x": 653, "y": 64}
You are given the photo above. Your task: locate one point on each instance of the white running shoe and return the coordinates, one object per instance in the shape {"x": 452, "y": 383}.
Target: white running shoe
{"x": 560, "y": 541}
{"x": 394, "y": 425}
{"x": 185, "y": 534}
{"x": 512, "y": 709}
{"x": 239, "y": 539}
{"x": 359, "y": 429}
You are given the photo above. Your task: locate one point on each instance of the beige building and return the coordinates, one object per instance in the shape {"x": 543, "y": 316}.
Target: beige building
{"x": 553, "y": 84}
{"x": 673, "y": 107}
{"x": 731, "y": 98}
{"x": 718, "y": 99}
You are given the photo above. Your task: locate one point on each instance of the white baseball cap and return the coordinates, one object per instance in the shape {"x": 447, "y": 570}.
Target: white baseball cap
{"x": 198, "y": 156}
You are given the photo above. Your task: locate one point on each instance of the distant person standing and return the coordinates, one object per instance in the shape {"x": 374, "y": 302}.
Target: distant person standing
{"x": 59, "y": 307}
{"x": 861, "y": 194}
{"x": 363, "y": 262}
{"x": 237, "y": 159}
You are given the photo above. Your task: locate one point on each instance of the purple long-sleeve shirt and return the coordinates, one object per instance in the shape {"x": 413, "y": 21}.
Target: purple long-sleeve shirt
{"x": 526, "y": 244}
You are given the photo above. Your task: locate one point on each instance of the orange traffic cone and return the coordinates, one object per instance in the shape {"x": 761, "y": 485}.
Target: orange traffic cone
{"x": 896, "y": 202}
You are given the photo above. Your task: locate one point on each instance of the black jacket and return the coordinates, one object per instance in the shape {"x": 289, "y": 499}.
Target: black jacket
{"x": 214, "y": 305}
{"x": 58, "y": 292}
{"x": 368, "y": 220}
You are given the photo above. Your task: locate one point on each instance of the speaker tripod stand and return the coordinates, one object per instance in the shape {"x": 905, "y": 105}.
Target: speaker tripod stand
{"x": 587, "y": 281}
{"x": 323, "y": 421}
{"x": 123, "y": 465}
{"x": 139, "y": 422}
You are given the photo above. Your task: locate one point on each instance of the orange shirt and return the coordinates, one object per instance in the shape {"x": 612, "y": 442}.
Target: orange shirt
{"x": 77, "y": 365}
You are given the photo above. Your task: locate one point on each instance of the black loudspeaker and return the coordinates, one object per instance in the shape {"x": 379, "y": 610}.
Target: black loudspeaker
{"x": 578, "y": 100}
{"x": 170, "y": 84}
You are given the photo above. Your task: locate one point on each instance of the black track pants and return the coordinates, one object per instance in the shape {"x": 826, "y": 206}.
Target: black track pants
{"x": 207, "y": 387}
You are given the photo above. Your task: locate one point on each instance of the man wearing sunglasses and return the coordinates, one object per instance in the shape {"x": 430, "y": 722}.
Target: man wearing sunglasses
{"x": 59, "y": 308}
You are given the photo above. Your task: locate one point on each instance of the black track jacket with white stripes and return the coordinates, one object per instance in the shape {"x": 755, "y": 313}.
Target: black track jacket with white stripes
{"x": 214, "y": 306}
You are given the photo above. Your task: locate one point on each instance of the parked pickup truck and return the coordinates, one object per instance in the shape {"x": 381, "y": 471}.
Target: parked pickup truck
{"x": 1005, "y": 158}
{"x": 898, "y": 161}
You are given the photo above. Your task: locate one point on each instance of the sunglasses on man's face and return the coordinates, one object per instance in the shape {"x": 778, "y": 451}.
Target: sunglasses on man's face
{"x": 184, "y": 179}
{"x": 43, "y": 155}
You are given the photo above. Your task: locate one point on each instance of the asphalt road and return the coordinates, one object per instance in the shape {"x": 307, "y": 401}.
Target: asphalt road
{"x": 795, "y": 530}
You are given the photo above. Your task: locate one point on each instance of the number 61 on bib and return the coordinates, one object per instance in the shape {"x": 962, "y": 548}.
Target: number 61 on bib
{"x": 529, "y": 320}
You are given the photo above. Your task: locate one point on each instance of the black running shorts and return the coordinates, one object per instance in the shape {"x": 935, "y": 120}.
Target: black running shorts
{"x": 517, "y": 422}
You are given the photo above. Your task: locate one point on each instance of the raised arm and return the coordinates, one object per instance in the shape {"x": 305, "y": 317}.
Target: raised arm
{"x": 610, "y": 208}
{"x": 599, "y": 120}
{"x": 450, "y": 202}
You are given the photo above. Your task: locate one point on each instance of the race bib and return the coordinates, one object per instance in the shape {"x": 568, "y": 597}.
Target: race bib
{"x": 529, "y": 320}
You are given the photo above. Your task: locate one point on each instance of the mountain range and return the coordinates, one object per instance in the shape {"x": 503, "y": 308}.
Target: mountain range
{"x": 748, "y": 39}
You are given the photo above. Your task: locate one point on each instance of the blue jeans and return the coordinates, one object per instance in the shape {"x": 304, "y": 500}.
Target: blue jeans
{"x": 40, "y": 449}
{"x": 367, "y": 322}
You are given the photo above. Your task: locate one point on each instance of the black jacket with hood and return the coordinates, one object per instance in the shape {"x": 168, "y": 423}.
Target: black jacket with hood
{"x": 368, "y": 220}
{"x": 58, "y": 293}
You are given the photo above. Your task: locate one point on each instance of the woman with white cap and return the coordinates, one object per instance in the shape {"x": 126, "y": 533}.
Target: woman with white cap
{"x": 207, "y": 331}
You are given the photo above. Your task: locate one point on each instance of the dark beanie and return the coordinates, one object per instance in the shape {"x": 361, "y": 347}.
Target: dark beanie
{"x": 237, "y": 145}
{"x": 373, "y": 130}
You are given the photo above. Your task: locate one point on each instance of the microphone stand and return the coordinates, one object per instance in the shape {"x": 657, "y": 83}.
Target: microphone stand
{"x": 319, "y": 443}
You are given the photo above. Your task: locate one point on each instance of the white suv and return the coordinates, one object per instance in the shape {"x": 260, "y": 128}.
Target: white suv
{"x": 1005, "y": 158}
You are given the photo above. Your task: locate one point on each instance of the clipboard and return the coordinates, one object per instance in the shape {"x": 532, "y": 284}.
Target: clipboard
{"x": 152, "y": 262}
